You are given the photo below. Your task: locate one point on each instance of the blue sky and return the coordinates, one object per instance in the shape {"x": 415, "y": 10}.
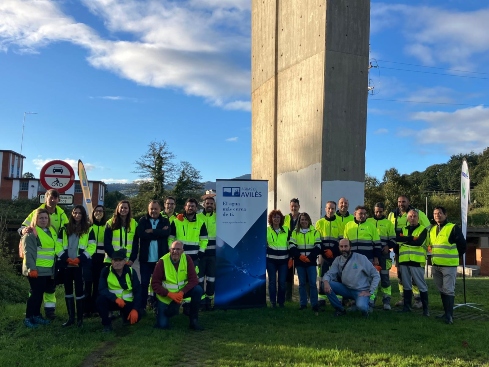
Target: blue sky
{"x": 107, "y": 77}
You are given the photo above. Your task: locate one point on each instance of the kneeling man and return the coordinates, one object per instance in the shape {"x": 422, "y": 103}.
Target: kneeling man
{"x": 119, "y": 289}
{"x": 174, "y": 279}
{"x": 351, "y": 275}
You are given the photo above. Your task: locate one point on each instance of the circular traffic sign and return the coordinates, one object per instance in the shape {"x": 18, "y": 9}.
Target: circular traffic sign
{"x": 58, "y": 175}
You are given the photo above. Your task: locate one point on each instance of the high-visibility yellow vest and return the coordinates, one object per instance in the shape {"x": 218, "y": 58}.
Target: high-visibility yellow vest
{"x": 189, "y": 233}
{"x": 115, "y": 286}
{"x": 57, "y": 219}
{"x": 47, "y": 251}
{"x": 278, "y": 243}
{"x": 443, "y": 252}
{"x": 331, "y": 231}
{"x": 210, "y": 223}
{"x": 175, "y": 281}
{"x": 412, "y": 253}
{"x": 99, "y": 232}
{"x": 385, "y": 228}
{"x": 305, "y": 242}
{"x": 121, "y": 238}
{"x": 86, "y": 243}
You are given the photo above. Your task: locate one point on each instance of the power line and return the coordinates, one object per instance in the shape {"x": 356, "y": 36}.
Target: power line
{"x": 433, "y": 67}
{"x": 429, "y": 72}
{"x": 426, "y": 102}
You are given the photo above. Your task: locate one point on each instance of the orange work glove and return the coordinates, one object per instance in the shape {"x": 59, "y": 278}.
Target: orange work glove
{"x": 304, "y": 258}
{"x": 328, "y": 253}
{"x": 176, "y": 297}
{"x": 401, "y": 235}
{"x": 180, "y": 217}
{"x": 290, "y": 263}
{"x": 120, "y": 302}
{"x": 33, "y": 274}
{"x": 415, "y": 238}
{"x": 133, "y": 317}
{"x": 75, "y": 261}
{"x": 429, "y": 248}
{"x": 378, "y": 267}
{"x": 69, "y": 260}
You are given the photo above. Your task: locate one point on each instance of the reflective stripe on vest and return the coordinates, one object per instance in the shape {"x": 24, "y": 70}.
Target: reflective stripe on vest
{"x": 443, "y": 252}
{"x": 45, "y": 253}
{"x": 412, "y": 253}
{"x": 122, "y": 238}
{"x": 305, "y": 242}
{"x": 174, "y": 281}
{"x": 115, "y": 287}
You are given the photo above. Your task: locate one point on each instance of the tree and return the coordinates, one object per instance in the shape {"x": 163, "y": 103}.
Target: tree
{"x": 373, "y": 193}
{"x": 188, "y": 184}
{"x": 113, "y": 198}
{"x": 28, "y": 175}
{"x": 157, "y": 167}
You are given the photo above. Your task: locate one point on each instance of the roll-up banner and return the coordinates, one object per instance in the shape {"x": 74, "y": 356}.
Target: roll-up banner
{"x": 465, "y": 194}
{"x": 82, "y": 175}
{"x": 241, "y": 242}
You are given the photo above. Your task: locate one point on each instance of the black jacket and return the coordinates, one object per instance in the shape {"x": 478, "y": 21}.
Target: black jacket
{"x": 159, "y": 234}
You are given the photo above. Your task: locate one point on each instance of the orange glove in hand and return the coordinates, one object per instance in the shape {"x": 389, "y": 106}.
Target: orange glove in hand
{"x": 429, "y": 248}
{"x": 69, "y": 260}
{"x": 133, "y": 317}
{"x": 75, "y": 261}
{"x": 328, "y": 253}
{"x": 290, "y": 263}
{"x": 415, "y": 238}
{"x": 378, "y": 267}
{"x": 33, "y": 274}
{"x": 304, "y": 258}
{"x": 176, "y": 297}
{"x": 120, "y": 302}
{"x": 180, "y": 217}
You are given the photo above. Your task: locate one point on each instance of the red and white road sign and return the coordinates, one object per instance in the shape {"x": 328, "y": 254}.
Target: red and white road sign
{"x": 57, "y": 175}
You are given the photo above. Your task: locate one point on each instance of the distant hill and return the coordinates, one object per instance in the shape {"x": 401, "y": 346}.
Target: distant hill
{"x": 131, "y": 189}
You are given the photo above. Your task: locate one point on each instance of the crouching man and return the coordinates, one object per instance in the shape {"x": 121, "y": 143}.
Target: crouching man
{"x": 174, "y": 279}
{"x": 119, "y": 289}
{"x": 351, "y": 275}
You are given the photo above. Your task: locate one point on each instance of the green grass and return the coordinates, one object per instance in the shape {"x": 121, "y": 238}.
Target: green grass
{"x": 261, "y": 337}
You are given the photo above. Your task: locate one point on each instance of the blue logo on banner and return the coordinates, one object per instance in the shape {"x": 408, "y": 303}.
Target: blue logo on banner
{"x": 231, "y": 191}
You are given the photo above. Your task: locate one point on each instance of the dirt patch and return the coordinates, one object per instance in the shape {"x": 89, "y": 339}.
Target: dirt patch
{"x": 95, "y": 359}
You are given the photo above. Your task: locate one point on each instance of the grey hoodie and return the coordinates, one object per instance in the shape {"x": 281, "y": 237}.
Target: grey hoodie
{"x": 359, "y": 274}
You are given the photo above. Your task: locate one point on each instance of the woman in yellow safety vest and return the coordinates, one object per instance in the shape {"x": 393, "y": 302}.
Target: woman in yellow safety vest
{"x": 121, "y": 233}
{"x": 78, "y": 243}
{"x": 39, "y": 249}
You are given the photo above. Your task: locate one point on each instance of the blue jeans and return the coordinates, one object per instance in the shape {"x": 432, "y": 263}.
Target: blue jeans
{"x": 274, "y": 267}
{"x": 146, "y": 269}
{"x": 166, "y": 311}
{"x": 339, "y": 288}
{"x": 307, "y": 274}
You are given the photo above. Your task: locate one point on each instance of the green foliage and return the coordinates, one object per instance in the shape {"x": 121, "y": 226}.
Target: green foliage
{"x": 373, "y": 193}
{"x": 481, "y": 192}
{"x": 450, "y": 202}
{"x": 478, "y": 217}
{"x": 15, "y": 211}
{"x": 188, "y": 185}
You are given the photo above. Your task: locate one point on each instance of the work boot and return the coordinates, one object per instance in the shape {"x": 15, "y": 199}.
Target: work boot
{"x": 194, "y": 325}
{"x": 408, "y": 298}
{"x": 28, "y": 322}
{"x": 40, "y": 320}
{"x": 449, "y": 310}
{"x": 424, "y": 301}
{"x": 208, "y": 304}
{"x": 386, "y": 301}
{"x": 79, "y": 312}
{"x": 70, "y": 307}
{"x": 50, "y": 313}
{"x": 400, "y": 302}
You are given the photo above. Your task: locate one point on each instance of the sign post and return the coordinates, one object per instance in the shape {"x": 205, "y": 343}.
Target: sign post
{"x": 58, "y": 175}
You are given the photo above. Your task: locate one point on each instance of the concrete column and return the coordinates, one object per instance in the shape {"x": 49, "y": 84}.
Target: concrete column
{"x": 309, "y": 100}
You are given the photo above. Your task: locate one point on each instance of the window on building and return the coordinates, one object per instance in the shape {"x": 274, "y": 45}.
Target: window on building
{"x": 78, "y": 188}
{"x": 24, "y": 185}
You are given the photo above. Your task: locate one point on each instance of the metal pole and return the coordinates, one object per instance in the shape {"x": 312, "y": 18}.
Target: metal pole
{"x": 23, "y": 124}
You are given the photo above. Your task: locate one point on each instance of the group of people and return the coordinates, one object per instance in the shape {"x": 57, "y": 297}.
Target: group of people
{"x": 352, "y": 256}
{"x": 93, "y": 258}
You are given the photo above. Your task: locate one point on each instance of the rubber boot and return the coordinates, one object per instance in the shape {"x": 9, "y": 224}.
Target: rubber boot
{"x": 79, "y": 312}
{"x": 449, "y": 311}
{"x": 444, "y": 300}
{"x": 424, "y": 301}
{"x": 70, "y": 307}
{"x": 408, "y": 299}
{"x": 50, "y": 313}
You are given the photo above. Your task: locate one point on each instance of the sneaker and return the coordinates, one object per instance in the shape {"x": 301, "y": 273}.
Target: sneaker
{"x": 340, "y": 313}
{"x": 40, "y": 320}
{"x": 30, "y": 324}
{"x": 387, "y": 307}
{"x": 400, "y": 303}
{"x": 417, "y": 303}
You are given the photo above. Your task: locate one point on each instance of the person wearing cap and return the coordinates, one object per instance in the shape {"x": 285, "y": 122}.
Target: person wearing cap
{"x": 57, "y": 219}
{"x": 119, "y": 289}
{"x": 174, "y": 279}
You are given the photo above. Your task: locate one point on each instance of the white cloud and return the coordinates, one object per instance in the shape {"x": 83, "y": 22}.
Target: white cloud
{"x": 435, "y": 34}
{"x": 116, "y": 98}
{"x": 233, "y": 139}
{"x": 433, "y": 94}
{"x": 200, "y": 47}
{"x": 381, "y": 131}
{"x": 238, "y": 105}
{"x": 463, "y": 130}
